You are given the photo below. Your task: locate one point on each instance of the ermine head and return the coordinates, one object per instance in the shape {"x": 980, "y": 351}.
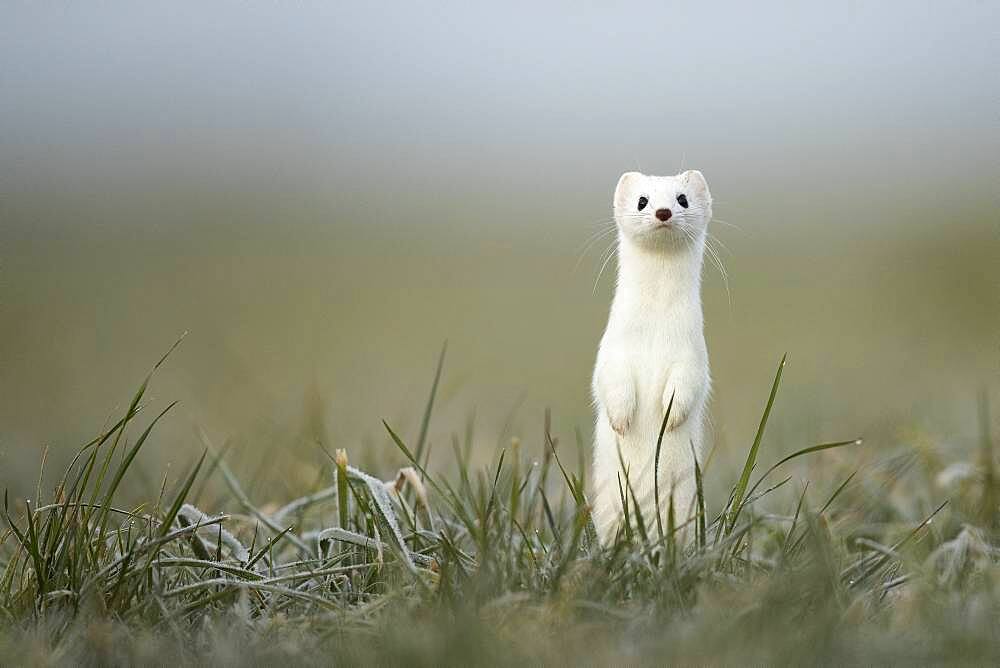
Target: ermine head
{"x": 663, "y": 211}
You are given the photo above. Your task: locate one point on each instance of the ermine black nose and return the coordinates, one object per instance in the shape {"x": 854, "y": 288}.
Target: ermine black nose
{"x": 663, "y": 214}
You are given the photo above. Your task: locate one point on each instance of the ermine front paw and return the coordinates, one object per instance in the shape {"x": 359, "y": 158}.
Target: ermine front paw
{"x": 619, "y": 424}
{"x": 620, "y": 409}
{"x": 679, "y": 411}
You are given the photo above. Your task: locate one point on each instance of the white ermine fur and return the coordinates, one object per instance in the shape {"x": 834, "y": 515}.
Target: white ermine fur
{"x": 653, "y": 348}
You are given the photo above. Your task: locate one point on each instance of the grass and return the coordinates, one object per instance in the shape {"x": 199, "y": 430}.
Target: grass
{"x": 445, "y": 564}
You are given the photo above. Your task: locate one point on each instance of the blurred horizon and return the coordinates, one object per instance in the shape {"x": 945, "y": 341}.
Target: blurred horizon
{"x": 323, "y": 195}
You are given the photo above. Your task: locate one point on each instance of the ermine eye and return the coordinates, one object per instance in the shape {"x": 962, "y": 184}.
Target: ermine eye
{"x": 643, "y": 201}
{"x": 682, "y": 200}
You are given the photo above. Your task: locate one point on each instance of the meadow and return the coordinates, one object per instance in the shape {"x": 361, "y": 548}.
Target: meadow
{"x": 880, "y": 559}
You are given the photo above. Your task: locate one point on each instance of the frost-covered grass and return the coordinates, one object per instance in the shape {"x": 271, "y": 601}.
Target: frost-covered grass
{"x": 446, "y": 564}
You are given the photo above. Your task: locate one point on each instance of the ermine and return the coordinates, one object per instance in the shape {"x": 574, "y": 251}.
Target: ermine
{"x": 653, "y": 349}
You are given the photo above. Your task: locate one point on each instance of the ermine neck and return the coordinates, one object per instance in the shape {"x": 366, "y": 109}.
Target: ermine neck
{"x": 659, "y": 278}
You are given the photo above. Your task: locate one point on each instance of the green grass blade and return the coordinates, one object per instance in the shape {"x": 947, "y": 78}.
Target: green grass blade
{"x": 124, "y": 465}
{"x": 266, "y": 548}
{"x": 446, "y": 492}
{"x": 741, "y": 486}
{"x": 175, "y": 507}
{"x": 795, "y": 521}
{"x": 426, "y": 420}
{"x": 700, "y": 529}
{"x": 551, "y": 445}
{"x": 836, "y": 493}
{"x": 656, "y": 466}
{"x": 799, "y": 453}
{"x": 493, "y": 490}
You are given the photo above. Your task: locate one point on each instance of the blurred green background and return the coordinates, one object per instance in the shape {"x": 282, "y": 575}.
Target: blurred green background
{"x": 322, "y": 195}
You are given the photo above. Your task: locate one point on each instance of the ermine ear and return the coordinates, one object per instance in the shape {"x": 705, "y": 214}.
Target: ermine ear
{"x": 624, "y": 188}
{"x": 695, "y": 181}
